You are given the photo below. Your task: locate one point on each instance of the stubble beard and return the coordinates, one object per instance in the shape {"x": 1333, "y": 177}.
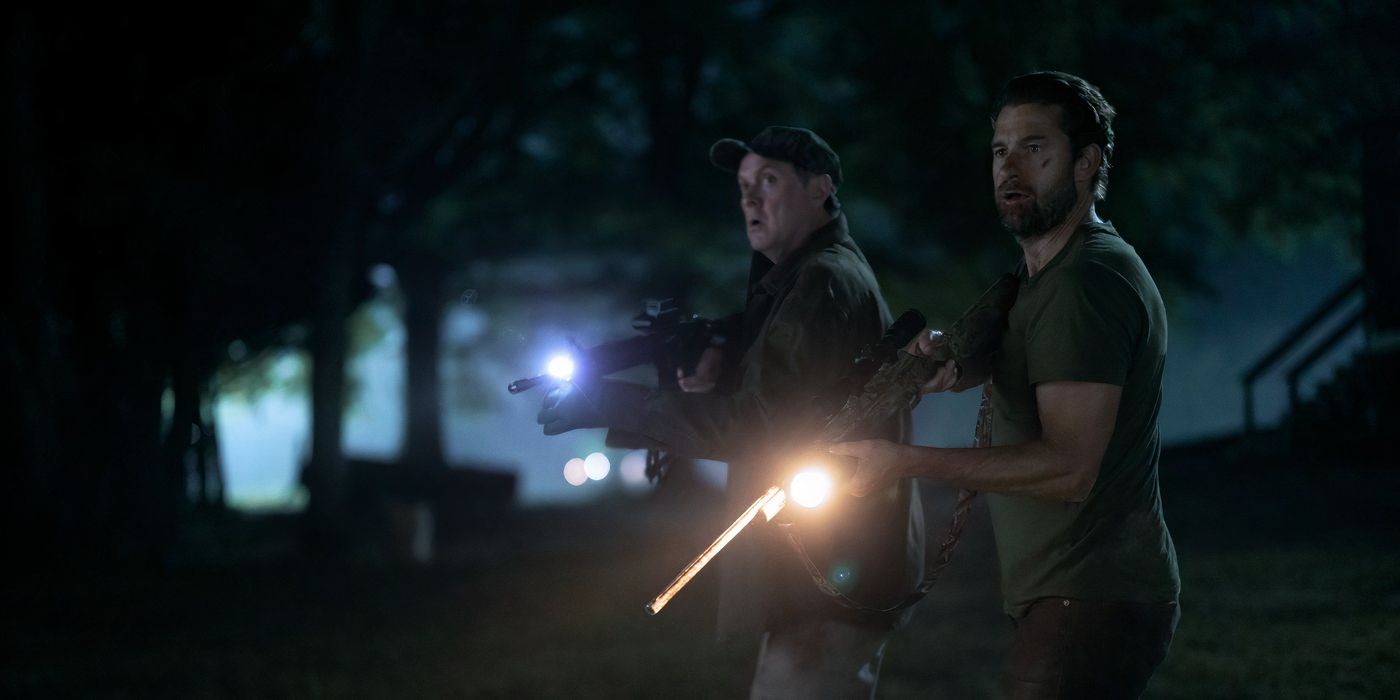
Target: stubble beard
{"x": 1043, "y": 215}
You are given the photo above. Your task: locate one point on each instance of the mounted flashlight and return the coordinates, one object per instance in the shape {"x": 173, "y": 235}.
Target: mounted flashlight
{"x": 671, "y": 339}
{"x": 814, "y": 483}
{"x": 560, "y": 368}
{"x": 811, "y": 486}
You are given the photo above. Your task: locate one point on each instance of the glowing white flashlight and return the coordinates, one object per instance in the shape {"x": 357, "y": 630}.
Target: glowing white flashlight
{"x": 811, "y": 487}
{"x": 561, "y": 367}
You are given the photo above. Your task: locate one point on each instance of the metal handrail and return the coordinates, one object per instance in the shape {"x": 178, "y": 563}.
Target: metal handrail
{"x": 1292, "y": 338}
{"x": 1296, "y": 372}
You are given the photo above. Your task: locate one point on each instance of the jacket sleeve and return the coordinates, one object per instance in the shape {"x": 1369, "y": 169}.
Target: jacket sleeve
{"x": 814, "y": 334}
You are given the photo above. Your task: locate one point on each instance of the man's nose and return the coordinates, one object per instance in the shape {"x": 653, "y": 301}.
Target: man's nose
{"x": 1008, "y": 169}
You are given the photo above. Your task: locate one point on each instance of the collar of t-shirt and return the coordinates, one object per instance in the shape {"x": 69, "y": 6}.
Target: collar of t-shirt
{"x": 1084, "y": 229}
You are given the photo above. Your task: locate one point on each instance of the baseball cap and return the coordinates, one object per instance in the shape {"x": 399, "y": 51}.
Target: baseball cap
{"x": 798, "y": 146}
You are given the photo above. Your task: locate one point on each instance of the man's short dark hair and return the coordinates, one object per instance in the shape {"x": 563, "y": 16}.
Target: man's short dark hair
{"x": 1087, "y": 116}
{"x": 832, "y": 205}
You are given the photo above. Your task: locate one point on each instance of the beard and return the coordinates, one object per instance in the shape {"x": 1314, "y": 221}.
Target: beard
{"x": 1043, "y": 215}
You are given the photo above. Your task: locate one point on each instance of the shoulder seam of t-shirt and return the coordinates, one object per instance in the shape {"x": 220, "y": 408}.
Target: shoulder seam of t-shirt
{"x": 1145, "y": 312}
{"x": 1104, "y": 268}
{"x": 1080, "y": 269}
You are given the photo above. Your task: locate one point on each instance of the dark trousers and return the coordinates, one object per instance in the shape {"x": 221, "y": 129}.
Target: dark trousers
{"x": 1067, "y": 648}
{"x": 817, "y": 659}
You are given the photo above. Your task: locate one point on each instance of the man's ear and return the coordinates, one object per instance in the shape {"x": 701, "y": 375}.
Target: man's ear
{"x": 825, "y": 187}
{"x": 1088, "y": 162}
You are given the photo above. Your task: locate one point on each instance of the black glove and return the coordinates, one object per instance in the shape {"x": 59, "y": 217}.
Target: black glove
{"x": 569, "y": 407}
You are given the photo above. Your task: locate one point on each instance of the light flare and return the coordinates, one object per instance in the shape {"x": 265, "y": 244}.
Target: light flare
{"x": 811, "y": 487}
{"x": 699, "y": 562}
{"x": 561, "y": 367}
{"x": 574, "y": 472}
{"x": 596, "y": 466}
{"x": 633, "y": 468}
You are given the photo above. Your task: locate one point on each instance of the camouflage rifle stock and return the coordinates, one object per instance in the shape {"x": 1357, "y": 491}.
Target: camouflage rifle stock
{"x": 971, "y": 342}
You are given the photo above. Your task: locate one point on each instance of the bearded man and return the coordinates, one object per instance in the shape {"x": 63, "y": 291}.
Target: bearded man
{"x": 1088, "y": 569}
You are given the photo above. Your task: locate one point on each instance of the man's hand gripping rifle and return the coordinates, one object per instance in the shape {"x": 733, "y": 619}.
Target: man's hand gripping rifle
{"x": 883, "y": 381}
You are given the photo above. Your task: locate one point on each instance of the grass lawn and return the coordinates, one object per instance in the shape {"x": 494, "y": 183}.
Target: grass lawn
{"x": 1291, "y": 579}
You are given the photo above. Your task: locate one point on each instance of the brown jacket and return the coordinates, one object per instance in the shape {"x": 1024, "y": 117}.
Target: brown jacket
{"x": 805, "y": 321}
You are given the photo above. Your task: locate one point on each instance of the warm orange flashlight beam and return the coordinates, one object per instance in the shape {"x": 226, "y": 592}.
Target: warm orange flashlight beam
{"x": 769, "y": 503}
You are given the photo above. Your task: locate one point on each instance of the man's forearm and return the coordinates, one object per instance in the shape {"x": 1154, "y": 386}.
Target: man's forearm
{"x": 1033, "y": 469}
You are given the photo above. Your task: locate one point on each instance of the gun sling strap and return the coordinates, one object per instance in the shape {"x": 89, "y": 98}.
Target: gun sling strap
{"x": 982, "y": 437}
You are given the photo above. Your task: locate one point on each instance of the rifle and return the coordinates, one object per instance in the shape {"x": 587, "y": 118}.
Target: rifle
{"x": 881, "y": 382}
{"x": 669, "y": 340}
{"x": 971, "y": 343}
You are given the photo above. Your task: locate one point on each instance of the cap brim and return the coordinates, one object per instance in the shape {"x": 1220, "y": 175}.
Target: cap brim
{"x": 726, "y": 154}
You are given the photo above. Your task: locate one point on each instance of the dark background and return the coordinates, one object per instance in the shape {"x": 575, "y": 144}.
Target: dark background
{"x": 194, "y": 197}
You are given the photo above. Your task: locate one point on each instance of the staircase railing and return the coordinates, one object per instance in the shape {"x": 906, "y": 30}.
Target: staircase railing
{"x": 1296, "y": 372}
{"x": 1294, "y": 337}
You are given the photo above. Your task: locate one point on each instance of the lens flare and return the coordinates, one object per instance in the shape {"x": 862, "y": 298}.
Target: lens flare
{"x": 810, "y": 488}
{"x": 596, "y": 466}
{"x": 574, "y": 472}
{"x": 561, "y": 367}
{"x": 843, "y": 577}
{"x": 633, "y": 468}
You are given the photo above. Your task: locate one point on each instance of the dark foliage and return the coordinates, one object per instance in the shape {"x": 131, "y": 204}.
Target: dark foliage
{"x": 182, "y": 181}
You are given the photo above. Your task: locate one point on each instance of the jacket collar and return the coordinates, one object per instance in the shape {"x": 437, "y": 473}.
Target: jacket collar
{"x": 765, "y": 277}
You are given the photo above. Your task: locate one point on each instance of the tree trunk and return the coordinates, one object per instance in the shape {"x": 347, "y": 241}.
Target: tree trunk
{"x": 423, "y": 326}
{"x": 152, "y": 507}
{"x": 339, "y": 192}
{"x": 215, "y": 493}
{"x": 326, "y": 474}
{"x": 30, "y": 347}
{"x": 184, "y": 382}
{"x": 1380, "y": 157}
{"x": 211, "y": 466}
{"x": 184, "y": 421}
{"x": 119, "y": 494}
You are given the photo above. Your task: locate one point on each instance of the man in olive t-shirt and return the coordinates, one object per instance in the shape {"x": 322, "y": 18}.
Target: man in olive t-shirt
{"x": 1088, "y": 568}
{"x": 1091, "y": 314}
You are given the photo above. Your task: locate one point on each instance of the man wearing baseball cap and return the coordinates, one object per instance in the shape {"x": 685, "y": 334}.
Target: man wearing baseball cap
{"x": 812, "y": 304}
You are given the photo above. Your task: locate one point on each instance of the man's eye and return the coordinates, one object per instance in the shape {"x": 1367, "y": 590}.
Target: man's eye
{"x": 999, "y": 152}
{"x": 1033, "y": 148}
{"x": 770, "y": 179}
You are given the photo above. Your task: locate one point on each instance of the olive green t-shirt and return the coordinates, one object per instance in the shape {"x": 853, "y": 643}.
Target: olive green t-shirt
{"x": 1093, "y": 314}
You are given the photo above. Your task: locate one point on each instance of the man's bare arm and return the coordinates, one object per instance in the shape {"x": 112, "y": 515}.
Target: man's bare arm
{"x": 1077, "y": 420}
